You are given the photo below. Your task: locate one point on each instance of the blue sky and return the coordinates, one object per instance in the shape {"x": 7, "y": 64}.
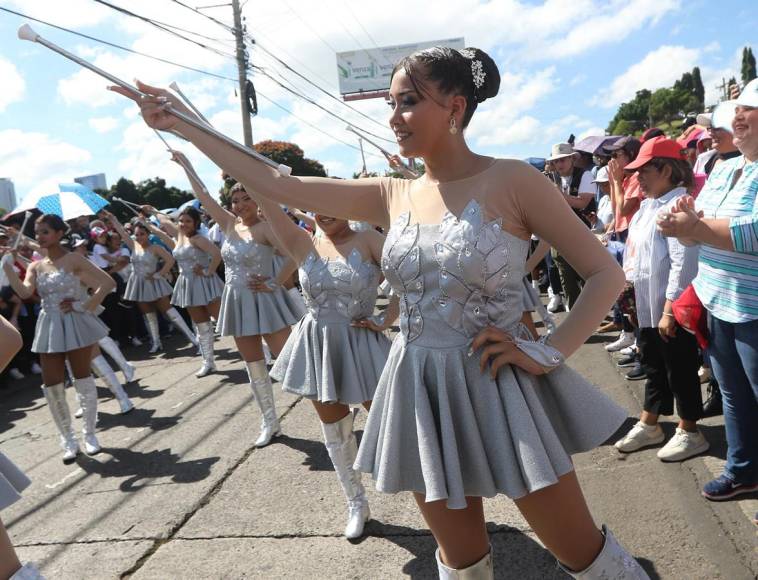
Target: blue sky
{"x": 565, "y": 66}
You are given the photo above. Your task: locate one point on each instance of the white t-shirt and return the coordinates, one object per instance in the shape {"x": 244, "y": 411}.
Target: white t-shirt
{"x": 97, "y": 256}
{"x": 216, "y": 235}
{"x": 702, "y": 160}
{"x": 585, "y": 185}
{"x": 604, "y": 211}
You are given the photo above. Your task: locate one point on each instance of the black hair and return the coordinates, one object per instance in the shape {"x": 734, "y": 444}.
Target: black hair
{"x": 681, "y": 171}
{"x": 453, "y": 73}
{"x": 235, "y": 188}
{"x": 195, "y": 216}
{"x": 138, "y": 223}
{"x": 53, "y": 221}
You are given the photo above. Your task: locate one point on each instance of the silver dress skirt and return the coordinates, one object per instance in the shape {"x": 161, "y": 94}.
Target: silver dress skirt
{"x": 140, "y": 289}
{"x": 59, "y": 332}
{"x": 331, "y": 361}
{"x": 247, "y": 313}
{"x": 193, "y": 290}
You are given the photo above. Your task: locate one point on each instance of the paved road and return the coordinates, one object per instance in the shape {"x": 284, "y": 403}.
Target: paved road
{"x": 179, "y": 492}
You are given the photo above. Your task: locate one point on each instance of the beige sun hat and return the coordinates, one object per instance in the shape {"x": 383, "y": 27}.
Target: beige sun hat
{"x": 561, "y": 150}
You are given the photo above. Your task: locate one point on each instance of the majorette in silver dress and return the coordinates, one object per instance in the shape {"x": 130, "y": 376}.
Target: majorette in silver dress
{"x": 57, "y": 331}
{"x": 440, "y": 426}
{"x": 191, "y": 289}
{"x": 325, "y": 358}
{"x": 244, "y": 312}
{"x": 140, "y": 288}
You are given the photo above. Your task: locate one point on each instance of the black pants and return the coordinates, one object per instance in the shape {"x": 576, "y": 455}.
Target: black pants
{"x": 671, "y": 368}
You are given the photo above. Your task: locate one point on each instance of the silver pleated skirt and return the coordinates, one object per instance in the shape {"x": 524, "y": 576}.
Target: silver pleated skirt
{"x": 59, "y": 332}
{"x": 440, "y": 427}
{"x": 12, "y": 482}
{"x": 331, "y": 361}
{"x": 139, "y": 289}
{"x": 193, "y": 290}
{"x": 247, "y": 313}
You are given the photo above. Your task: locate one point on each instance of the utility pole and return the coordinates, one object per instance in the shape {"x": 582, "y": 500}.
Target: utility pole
{"x": 239, "y": 34}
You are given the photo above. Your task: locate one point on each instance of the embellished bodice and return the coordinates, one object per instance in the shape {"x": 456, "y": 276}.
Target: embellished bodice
{"x": 54, "y": 286}
{"x": 243, "y": 258}
{"x": 188, "y": 256}
{"x": 144, "y": 263}
{"x": 454, "y": 278}
{"x": 339, "y": 289}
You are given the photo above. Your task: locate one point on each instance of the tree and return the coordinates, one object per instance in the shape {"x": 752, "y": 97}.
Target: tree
{"x": 635, "y": 113}
{"x": 291, "y": 155}
{"x": 148, "y": 192}
{"x": 698, "y": 88}
{"x": 623, "y": 127}
{"x": 748, "y": 71}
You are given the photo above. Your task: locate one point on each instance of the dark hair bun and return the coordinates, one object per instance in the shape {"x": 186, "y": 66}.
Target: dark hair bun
{"x": 491, "y": 84}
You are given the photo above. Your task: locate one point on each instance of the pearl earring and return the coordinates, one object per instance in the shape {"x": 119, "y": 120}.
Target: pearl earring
{"x": 453, "y": 128}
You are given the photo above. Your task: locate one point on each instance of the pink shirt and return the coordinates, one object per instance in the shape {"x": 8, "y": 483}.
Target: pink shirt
{"x": 632, "y": 190}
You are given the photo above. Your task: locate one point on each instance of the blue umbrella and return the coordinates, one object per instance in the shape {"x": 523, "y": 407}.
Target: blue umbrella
{"x": 71, "y": 201}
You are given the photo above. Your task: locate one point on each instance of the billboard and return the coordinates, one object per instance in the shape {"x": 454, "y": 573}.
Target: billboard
{"x": 362, "y": 71}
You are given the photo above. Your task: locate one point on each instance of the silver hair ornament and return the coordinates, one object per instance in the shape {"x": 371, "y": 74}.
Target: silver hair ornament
{"x": 477, "y": 68}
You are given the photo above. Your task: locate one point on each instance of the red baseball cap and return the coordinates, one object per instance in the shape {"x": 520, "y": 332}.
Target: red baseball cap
{"x": 656, "y": 147}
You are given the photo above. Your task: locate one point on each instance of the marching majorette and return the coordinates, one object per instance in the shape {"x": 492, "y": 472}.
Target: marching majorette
{"x": 67, "y": 327}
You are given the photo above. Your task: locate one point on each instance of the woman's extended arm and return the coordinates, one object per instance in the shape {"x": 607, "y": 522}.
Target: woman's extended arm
{"x": 23, "y": 288}
{"x": 348, "y": 199}
{"x": 162, "y": 236}
{"x": 116, "y": 225}
{"x": 560, "y": 228}
{"x": 224, "y": 218}
{"x": 204, "y": 244}
{"x": 94, "y": 278}
{"x": 11, "y": 341}
{"x": 166, "y": 257}
{"x": 288, "y": 237}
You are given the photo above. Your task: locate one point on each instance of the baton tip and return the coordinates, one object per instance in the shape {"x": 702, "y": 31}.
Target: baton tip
{"x": 284, "y": 170}
{"x": 26, "y": 32}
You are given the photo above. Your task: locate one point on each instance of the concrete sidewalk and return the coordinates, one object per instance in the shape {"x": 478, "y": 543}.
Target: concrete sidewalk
{"x": 180, "y": 492}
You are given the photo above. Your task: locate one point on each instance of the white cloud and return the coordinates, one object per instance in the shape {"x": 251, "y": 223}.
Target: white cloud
{"x": 36, "y": 161}
{"x": 659, "y": 68}
{"x": 71, "y": 13}
{"x": 14, "y": 85}
{"x": 103, "y": 124}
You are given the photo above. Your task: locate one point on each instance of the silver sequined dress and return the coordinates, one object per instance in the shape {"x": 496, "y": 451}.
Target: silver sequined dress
{"x": 57, "y": 331}
{"x": 325, "y": 358}
{"x": 244, "y": 312}
{"x": 191, "y": 289}
{"x": 140, "y": 288}
{"x": 438, "y": 425}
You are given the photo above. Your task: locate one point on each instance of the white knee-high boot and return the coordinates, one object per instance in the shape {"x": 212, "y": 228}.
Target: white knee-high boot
{"x": 110, "y": 346}
{"x": 343, "y": 447}
{"x": 613, "y": 561}
{"x": 205, "y": 341}
{"x": 260, "y": 383}
{"x": 151, "y": 318}
{"x": 88, "y": 399}
{"x": 102, "y": 368}
{"x": 482, "y": 570}
{"x": 55, "y": 395}
{"x": 177, "y": 320}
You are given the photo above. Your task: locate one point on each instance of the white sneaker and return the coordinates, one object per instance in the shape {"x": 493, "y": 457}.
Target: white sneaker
{"x": 555, "y": 303}
{"x": 136, "y": 341}
{"x": 629, "y": 350}
{"x": 625, "y": 339}
{"x": 16, "y": 374}
{"x": 640, "y": 436}
{"x": 36, "y": 369}
{"x": 683, "y": 445}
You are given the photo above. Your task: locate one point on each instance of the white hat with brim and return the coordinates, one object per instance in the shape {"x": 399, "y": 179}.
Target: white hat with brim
{"x": 704, "y": 119}
{"x": 723, "y": 114}
{"x": 561, "y": 150}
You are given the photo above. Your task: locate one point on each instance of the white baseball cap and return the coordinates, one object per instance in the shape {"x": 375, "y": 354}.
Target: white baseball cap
{"x": 602, "y": 175}
{"x": 749, "y": 95}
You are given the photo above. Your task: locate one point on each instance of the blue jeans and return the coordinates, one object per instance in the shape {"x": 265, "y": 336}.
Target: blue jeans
{"x": 733, "y": 354}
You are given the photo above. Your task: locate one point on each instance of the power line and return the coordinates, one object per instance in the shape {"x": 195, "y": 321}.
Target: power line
{"x": 162, "y": 27}
{"x": 321, "y": 89}
{"x": 366, "y": 32}
{"x": 315, "y": 104}
{"x": 113, "y": 45}
{"x": 307, "y": 24}
{"x": 204, "y": 15}
{"x": 165, "y": 61}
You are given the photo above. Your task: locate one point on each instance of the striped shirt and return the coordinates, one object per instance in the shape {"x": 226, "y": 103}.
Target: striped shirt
{"x": 727, "y": 281}
{"x": 660, "y": 267}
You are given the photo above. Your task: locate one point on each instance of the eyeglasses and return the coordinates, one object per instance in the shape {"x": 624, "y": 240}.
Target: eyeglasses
{"x": 617, "y": 154}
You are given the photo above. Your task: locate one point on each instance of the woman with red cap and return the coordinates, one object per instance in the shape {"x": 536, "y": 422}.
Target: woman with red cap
{"x": 661, "y": 268}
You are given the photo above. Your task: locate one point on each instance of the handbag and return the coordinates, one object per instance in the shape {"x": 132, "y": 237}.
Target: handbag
{"x": 691, "y": 315}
